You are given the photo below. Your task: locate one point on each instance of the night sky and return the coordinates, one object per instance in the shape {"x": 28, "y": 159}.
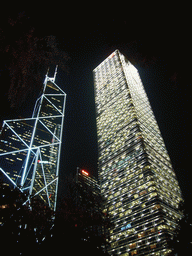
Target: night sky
{"x": 157, "y": 45}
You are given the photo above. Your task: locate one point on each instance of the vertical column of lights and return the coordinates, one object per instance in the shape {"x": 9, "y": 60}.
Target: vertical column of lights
{"x": 135, "y": 172}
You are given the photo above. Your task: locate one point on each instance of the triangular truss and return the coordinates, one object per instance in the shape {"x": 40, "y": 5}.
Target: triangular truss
{"x": 30, "y": 147}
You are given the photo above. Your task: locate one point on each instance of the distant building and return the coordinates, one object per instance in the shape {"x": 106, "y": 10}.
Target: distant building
{"x": 89, "y": 197}
{"x": 88, "y": 192}
{"x": 135, "y": 172}
{"x": 87, "y": 182}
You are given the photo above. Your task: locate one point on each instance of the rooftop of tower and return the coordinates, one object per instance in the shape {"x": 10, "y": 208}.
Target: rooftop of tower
{"x": 109, "y": 57}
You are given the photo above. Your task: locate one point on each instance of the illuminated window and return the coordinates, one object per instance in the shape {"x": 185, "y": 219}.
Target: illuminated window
{"x": 132, "y": 246}
{"x": 134, "y": 253}
{"x": 132, "y": 153}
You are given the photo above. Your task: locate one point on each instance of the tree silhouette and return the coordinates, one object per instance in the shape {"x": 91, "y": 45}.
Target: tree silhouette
{"x": 23, "y": 228}
{"x": 27, "y": 57}
{"x": 79, "y": 226}
{"x": 81, "y": 221}
{"x": 181, "y": 243}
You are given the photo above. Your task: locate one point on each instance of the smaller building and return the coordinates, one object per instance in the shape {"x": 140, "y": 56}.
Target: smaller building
{"x": 88, "y": 193}
{"x": 87, "y": 183}
{"x": 89, "y": 199}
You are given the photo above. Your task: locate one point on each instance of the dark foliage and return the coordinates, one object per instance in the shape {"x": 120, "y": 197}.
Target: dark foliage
{"x": 78, "y": 228}
{"x": 23, "y": 229}
{"x": 182, "y": 240}
{"x": 27, "y": 57}
{"x": 82, "y": 221}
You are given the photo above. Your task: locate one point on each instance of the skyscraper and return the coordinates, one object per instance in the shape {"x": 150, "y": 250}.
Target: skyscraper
{"x": 88, "y": 197}
{"x": 30, "y": 147}
{"x": 135, "y": 171}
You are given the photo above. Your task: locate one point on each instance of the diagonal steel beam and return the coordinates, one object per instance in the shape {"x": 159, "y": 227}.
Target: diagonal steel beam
{"x": 48, "y": 130}
{"x": 52, "y": 104}
{"x": 18, "y": 136}
{"x": 15, "y": 185}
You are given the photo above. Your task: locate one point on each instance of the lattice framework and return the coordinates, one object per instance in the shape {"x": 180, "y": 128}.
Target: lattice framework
{"x": 30, "y": 147}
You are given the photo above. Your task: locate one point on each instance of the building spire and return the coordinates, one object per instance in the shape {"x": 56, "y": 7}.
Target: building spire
{"x": 47, "y": 71}
{"x": 55, "y": 73}
{"x": 54, "y": 77}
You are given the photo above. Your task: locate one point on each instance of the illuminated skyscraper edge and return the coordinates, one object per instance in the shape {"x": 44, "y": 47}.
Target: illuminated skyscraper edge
{"x": 31, "y": 147}
{"x": 135, "y": 171}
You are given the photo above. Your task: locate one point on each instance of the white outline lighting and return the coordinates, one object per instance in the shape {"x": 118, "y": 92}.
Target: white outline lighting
{"x": 30, "y": 154}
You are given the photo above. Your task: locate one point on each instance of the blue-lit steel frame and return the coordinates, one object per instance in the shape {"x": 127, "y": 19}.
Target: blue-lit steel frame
{"x": 36, "y": 164}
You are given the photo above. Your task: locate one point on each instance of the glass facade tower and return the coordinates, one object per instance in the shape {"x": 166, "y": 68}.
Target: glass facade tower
{"x": 135, "y": 171}
{"x": 30, "y": 147}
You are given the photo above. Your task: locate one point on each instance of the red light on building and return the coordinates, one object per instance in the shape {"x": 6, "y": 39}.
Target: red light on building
{"x": 112, "y": 55}
{"x": 85, "y": 173}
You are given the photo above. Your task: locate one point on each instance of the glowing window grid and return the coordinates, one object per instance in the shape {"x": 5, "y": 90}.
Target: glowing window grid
{"x": 135, "y": 172}
{"x": 30, "y": 147}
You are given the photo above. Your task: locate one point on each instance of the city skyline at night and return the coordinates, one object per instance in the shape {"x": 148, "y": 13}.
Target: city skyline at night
{"x": 34, "y": 40}
{"x": 135, "y": 171}
{"x": 164, "y": 74}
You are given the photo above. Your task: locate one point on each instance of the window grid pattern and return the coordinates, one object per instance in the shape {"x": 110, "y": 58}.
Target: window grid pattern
{"x": 30, "y": 147}
{"x": 135, "y": 172}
